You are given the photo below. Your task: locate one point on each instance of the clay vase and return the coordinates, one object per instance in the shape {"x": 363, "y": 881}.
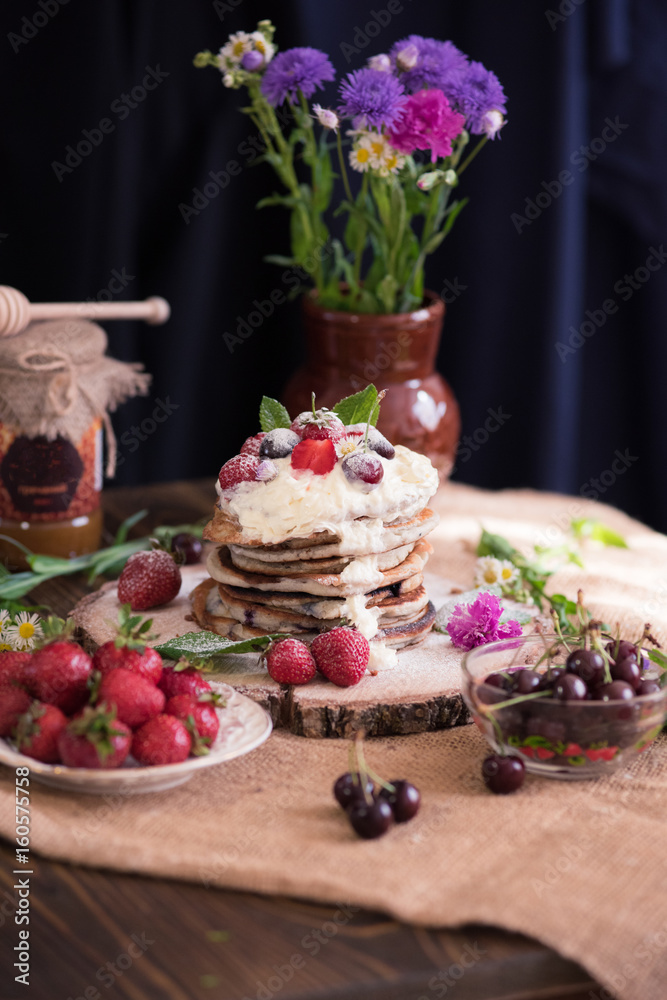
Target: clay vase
{"x": 346, "y": 351}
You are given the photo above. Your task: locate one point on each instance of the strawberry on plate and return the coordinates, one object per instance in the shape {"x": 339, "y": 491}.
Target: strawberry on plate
{"x": 12, "y": 667}
{"x": 58, "y": 674}
{"x": 37, "y": 731}
{"x": 183, "y": 681}
{"x": 95, "y": 738}
{"x": 14, "y": 702}
{"x": 199, "y": 717}
{"x": 134, "y": 698}
{"x": 162, "y": 740}
{"x": 129, "y": 649}
{"x": 342, "y": 655}
{"x": 149, "y": 579}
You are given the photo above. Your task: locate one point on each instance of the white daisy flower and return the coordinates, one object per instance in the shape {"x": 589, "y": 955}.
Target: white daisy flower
{"x": 509, "y": 574}
{"x": 234, "y": 49}
{"x": 487, "y": 571}
{"x": 360, "y": 154}
{"x": 25, "y": 631}
{"x": 264, "y": 47}
{"x": 390, "y": 162}
{"x": 5, "y": 620}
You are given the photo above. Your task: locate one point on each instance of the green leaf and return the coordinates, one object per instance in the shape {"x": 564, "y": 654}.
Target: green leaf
{"x": 386, "y": 293}
{"x": 299, "y": 240}
{"x": 202, "y": 645}
{"x": 322, "y": 181}
{"x": 272, "y": 414}
{"x": 656, "y": 656}
{"x": 287, "y": 200}
{"x": 280, "y": 259}
{"x": 495, "y": 545}
{"x": 129, "y": 522}
{"x": 355, "y": 409}
{"x": 586, "y": 527}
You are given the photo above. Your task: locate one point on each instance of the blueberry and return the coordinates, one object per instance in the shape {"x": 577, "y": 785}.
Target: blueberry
{"x": 278, "y": 443}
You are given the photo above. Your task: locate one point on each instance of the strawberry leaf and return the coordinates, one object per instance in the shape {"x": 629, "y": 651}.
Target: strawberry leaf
{"x": 272, "y": 414}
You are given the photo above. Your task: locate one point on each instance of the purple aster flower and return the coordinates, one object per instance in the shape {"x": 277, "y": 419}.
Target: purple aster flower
{"x": 371, "y": 98}
{"x": 475, "y": 93}
{"x": 437, "y": 63}
{"x": 302, "y": 69}
{"x": 478, "y": 623}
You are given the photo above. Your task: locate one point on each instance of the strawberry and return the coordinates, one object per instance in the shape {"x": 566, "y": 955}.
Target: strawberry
{"x": 12, "y": 667}
{"x": 136, "y": 700}
{"x": 199, "y": 717}
{"x": 37, "y": 731}
{"x": 110, "y": 657}
{"x": 129, "y": 649}
{"x": 289, "y": 661}
{"x": 240, "y": 469}
{"x": 318, "y": 425}
{"x": 183, "y": 681}
{"x": 58, "y": 674}
{"x": 149, "y": 579}
{"x": 95, "y": 738}
{"x": 251, "y": 445}
{"x": 318, "y": 456}
{"x": 162, "y": 740}
{"x": 342, "y": 655}
{"x": 13, "y": 702}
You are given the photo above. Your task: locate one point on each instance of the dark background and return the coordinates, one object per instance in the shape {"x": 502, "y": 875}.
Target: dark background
{"x": 566, "y": 67}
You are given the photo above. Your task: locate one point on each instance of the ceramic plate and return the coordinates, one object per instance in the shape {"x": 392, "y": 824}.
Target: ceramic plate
{"x": 244, "y": 725}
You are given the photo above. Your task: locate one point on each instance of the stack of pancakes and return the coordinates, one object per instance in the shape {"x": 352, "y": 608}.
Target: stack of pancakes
{"x": 305, "y": 585}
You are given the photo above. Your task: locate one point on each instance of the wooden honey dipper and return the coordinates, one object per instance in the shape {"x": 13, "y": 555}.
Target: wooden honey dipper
{"x": 16, "y": 311}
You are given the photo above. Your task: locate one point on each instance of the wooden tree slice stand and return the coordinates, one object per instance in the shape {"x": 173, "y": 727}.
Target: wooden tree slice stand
{"x": 422, "y": 692}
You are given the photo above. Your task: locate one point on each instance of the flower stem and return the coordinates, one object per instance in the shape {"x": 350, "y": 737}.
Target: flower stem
{"x": 343, "y": 169}
{"x": 471, "y": 156}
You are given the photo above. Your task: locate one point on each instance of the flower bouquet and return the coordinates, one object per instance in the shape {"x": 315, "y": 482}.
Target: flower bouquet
{"x": 408, "y": 117}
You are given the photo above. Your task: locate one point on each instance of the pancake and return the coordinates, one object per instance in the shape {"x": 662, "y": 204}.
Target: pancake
{"x": 222, "y": 569}
{"x": 357, "y": 538}
{"x": 327, "y": 608}
{"x": 396, "y": 636}
{"x": 224, "y": 604}
{"x": 322, "y": 567}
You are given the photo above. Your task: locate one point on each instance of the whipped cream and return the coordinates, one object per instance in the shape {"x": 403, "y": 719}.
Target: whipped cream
{"x": 365, "y": 619}
{"x": 381, "y": 658}
{"x": 298, "y": 503}
{"x": 363, "y": 570}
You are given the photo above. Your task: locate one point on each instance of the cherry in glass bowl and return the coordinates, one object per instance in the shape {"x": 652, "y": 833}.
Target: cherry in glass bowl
{"x": 558, "y": 739}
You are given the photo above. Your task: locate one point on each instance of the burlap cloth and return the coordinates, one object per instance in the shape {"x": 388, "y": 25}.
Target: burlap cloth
{"x": 579, "y": 865}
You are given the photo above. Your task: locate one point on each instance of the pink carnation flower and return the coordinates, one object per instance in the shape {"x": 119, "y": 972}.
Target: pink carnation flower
{"x": 428, "y": 122}
{"x": 478, "y": 623}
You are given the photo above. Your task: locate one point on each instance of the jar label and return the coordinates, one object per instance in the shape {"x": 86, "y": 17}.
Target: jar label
{"x": 42, "y": 480}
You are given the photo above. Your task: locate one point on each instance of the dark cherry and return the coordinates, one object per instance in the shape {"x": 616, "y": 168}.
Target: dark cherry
{"x": 348, "y": 789}
{"x": 404, "y": 800}
{"x": 363, "y": 469}
{"x": 648, "y": 687}
{"x": 570, "y": 687}
{"x": 379, "y": 443}
{"x": 526, "y": 681}
{"x": 621, "y": 649}
{"x": 499, "y": 681}
{"x": 627, "y": 670}
{"x": 616, "y": 691}
{"x": 587, "y": 664}
{"x": 551, "y": 729}
{"x": 370, "y": 821}
{"x": 503, "y": 775}
{"x": 551, "y": 676}
{"x": 188, "y": 545}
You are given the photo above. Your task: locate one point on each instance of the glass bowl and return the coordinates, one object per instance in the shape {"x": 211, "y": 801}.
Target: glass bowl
{"x": 557, "y": 739}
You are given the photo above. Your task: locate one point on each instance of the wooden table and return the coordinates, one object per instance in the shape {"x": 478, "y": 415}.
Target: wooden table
{"x": 192, "y": 943}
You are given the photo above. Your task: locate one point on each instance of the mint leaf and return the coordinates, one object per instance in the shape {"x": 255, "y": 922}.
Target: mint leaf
{"x": 272, "y": 414}
{"x": 201, "y": 645}
{"x": 355, "y": 409}
{"x": 495, "y": 545}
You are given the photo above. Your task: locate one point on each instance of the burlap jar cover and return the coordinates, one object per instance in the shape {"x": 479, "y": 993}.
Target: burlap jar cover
{"x": 56, "y": 390}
